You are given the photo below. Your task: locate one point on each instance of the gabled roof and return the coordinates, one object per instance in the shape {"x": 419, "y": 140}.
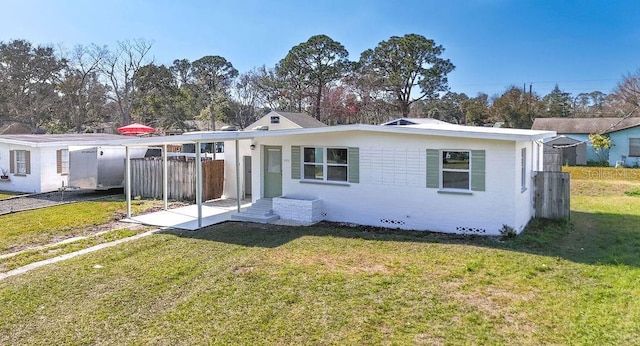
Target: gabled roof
{"x": 585, "y": 125}
{"x": 415, "y": 121}
{"x": 47, "y": 140}
{"x": 303, "y": 120}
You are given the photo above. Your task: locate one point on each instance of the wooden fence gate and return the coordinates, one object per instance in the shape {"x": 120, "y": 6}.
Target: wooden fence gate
{"x": 552, "y": 195}
{"x": 146, "y": 178}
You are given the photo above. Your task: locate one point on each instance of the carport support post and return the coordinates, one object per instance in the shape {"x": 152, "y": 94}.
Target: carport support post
{"x": 199, "y": 183}
{"x": 238, "y": 175}
{"x": 127, "y": 179}
{"x": 165, "y": 178}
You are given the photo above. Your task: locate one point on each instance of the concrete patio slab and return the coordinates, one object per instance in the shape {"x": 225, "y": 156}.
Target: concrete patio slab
{"x": 213, "y": 212}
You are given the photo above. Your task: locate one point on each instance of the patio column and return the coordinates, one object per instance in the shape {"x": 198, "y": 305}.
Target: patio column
{"x": 165, "y": 178}
{"x": 238, "y": 197}
{"x": 127, "y": 179}
{"x": 199, "y": 183}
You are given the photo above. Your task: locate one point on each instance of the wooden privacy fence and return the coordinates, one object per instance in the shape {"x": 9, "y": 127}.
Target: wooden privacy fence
{"x": 146, "y": 178}
{"x": 552, "y": 159}
{"x": 552, "y": 199}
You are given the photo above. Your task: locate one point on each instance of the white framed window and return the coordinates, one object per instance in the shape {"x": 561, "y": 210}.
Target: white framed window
{"x": 456, "y": 169}
{"x": 523, "y": 169}
{"x": 634, "y": 147}
{"x": 21, "y": 161}
{"x": 62, "y": 161}
{"x": 325, "y": 164}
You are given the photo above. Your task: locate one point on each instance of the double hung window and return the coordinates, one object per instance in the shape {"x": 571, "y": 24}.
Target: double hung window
{"x": 327, "y": 164}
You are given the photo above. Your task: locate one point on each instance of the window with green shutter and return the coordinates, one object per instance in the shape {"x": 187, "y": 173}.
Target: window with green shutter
{"x": 456, "y": 169}
{"x": 295, "y": 162}
{"x": 433, "y": 169}
{"x": 330, "y": 164}
{"x": 354, "y": 165}
{"x": 478, "y": 168}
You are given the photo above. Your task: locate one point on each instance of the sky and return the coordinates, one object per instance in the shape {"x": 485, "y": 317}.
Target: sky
{"x": 582, "y": 45}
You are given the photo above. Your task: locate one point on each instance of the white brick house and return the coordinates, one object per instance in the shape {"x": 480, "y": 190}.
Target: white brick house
{"x": 455, "y": 179}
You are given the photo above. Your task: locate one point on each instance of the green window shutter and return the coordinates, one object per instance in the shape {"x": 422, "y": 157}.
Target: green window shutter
{"x": 478, "y": 167}
{"x": 295, "y": 162}
{"x": 354, "y": 165}
{"x": 433, "y": 168}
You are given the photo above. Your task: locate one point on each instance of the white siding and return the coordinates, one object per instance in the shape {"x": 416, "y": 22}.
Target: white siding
{"x": 229, "y": 190}
{"x": 44, "y": 176}
{"x": 392, "y": 190}
{"x": 284, "y": 123}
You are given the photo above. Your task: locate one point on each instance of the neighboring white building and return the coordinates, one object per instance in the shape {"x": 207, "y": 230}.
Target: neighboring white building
{"x": 454, "y": 179}
{"x": 40, "y": 163}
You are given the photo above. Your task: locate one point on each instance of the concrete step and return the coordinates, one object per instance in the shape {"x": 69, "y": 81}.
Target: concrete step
{"x": 257, "y": 219}
{"x": 260, "y": 212}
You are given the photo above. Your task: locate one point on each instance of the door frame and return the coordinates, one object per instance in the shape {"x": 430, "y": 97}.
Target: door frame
{"x": 247, "y": 169}
{"x": 265, "y": 150}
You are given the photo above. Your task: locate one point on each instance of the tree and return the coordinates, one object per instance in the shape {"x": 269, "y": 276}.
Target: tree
{"x": 516, "y": 108}
{"x": 83, "y": 95}
{"x": 29, "y": 76}
{"x": 401, "y": 64}
{"x": 213, "y": 75}
{"x": 246, "y": 96}
{"x": 558, "y": 103}
{"x": 477, "y": 110}
{"x": 627, "y": 95}
{"x": 450, "y": 107}
{"x": 318, "y": 61}
{"x": 157, "y": 97}
{"x": 601, "y": 145}
{"x": 120, "y": 68}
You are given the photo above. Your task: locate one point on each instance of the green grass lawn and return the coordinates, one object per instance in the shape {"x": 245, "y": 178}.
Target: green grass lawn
{"x": 48, "y": 225}
{"x": 574, "y": 282}
{"x": 5, "y": 194}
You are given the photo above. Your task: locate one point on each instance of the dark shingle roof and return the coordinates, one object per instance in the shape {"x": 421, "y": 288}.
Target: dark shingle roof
{"x": 303, "y": 120}
{"x": 584, "y": 125}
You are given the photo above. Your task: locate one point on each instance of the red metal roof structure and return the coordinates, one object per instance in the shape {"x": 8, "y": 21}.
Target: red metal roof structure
{"x": 135, "y": 129}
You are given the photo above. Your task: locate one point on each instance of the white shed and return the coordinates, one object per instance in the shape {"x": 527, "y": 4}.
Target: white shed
{"x": 40, "y": 163}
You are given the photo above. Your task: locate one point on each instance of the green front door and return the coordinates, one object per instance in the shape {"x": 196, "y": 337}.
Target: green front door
{"x": 272, "y": 171}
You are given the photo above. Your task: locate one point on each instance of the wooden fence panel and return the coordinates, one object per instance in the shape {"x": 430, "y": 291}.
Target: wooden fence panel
{"x": 212, "y": 179}
{"x": 552, "y": 195}
{"x": 552, "y": 159}
{"x": 146, "y": 178}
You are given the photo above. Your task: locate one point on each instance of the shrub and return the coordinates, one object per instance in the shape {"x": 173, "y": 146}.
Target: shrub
{"x": 508, "y": 232}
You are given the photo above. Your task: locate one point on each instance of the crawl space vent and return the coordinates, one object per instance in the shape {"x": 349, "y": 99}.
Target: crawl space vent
{"x": 470, "y": 230}
{"x": 392, "y": 222}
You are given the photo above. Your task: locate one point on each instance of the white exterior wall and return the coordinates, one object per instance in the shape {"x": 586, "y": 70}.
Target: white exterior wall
{"x": 43, "y": 176}
{"x": 392, "y": 190}
{"x": 229, "y": 190}
{"x": 284, "y": 124}
{"x": 524, "y": 199}
{"x": 51, "y": 180}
